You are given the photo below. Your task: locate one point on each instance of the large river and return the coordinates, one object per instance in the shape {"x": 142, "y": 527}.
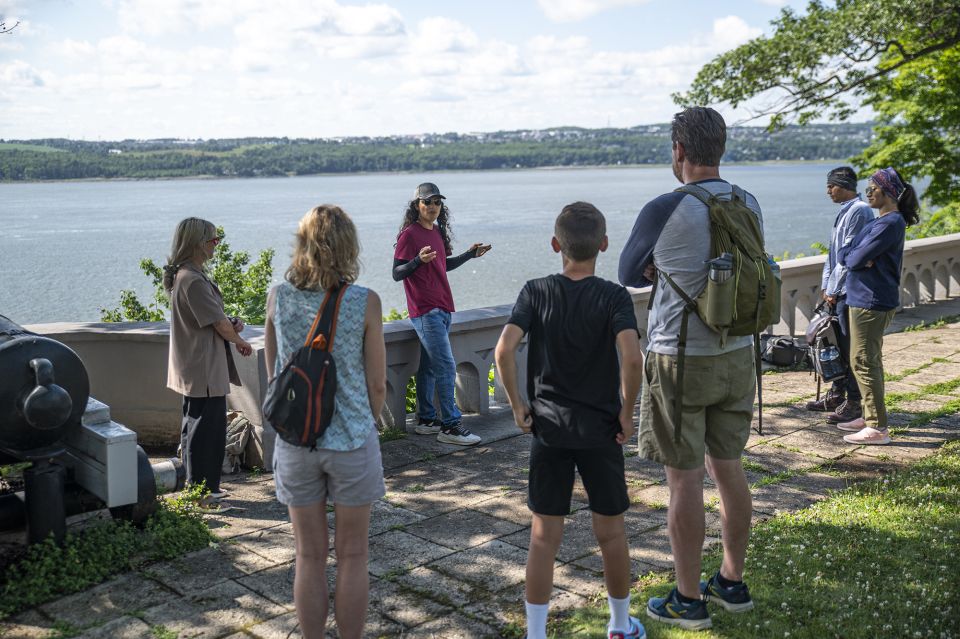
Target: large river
{"x": 68, "y": 248}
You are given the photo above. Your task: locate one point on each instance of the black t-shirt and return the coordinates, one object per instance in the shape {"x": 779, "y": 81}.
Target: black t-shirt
{"x": 573, "y": 372}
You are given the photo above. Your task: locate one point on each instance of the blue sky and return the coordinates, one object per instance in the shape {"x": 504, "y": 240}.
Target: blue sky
{"x": 110, "y": 69}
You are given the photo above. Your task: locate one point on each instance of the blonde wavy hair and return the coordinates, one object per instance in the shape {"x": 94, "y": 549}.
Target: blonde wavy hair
{"x": 187, "y": 243}
{"x": 325, "y": 251}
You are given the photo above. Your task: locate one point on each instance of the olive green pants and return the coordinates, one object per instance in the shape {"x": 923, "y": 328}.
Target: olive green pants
{"x": 866, "y": 350}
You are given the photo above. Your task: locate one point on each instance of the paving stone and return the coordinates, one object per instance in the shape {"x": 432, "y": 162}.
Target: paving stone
{"x": 213, "y": 612}
{"x": 812, "y": 442}
{"x": 385, "y": 516}
{"x": 276, "y": 545}
{"x": 120, "y": 628}
{"x": 640, "y": 518}
{"x": 453, "y": 626}
{"x": 397, "y": 550}
{"x": 782, "y": 455}
{"x": 404, "y": 606}
{"x": 423, "y": 476}
{"x": 819, "y": 484}
{"x": 505, "y": 610}
{"x": 581, "y": 581}
{"x": 107, "y": 601}
{"x": 781, "y": 497}
{"x": 276, "y": 584}
{"x": 430, "y": 503}
{"x": 462, "y": 529}
{"x": 194, "y": 571}
{"x": 578, "y": 537}
{"x": 644, "y": 470}
{"x": 493, "y": 566}
{"x": 450, "y": 591}
{"x": 510, "y": 506}
{"x": 28, "y": 625}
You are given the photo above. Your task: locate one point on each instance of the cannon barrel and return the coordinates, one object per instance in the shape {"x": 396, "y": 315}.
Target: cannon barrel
{"x": 44, "y": 390}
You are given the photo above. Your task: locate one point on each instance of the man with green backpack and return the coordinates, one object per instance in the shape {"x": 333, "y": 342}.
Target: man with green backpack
{"x": 715, "y": 290}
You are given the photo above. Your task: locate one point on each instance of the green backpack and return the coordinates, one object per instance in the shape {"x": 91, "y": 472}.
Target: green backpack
{"x": 743, "y": 303}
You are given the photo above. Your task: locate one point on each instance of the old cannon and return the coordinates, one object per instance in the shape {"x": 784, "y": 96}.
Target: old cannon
{"x": 79, "y": 460}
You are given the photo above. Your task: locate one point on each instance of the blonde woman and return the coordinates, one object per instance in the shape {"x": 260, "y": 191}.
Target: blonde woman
{"x": 201, "y": 366}
{"x": 345, "y": 468}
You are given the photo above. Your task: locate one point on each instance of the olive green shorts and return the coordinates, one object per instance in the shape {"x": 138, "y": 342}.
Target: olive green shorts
{"x": 718, "y": 392}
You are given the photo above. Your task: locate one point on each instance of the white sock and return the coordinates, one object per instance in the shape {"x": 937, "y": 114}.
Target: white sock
{"x": 619, "y": 613}
{"x": 537, "y": 620}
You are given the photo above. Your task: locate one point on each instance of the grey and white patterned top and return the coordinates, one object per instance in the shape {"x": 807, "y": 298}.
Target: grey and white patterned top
{"x": 294, "y": 313}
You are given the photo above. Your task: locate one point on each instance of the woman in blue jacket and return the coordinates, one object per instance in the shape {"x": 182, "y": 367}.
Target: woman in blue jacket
{"x": 874, "y": 261}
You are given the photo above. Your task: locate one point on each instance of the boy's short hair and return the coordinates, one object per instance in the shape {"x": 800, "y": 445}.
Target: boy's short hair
{"x": 580, "y": 229}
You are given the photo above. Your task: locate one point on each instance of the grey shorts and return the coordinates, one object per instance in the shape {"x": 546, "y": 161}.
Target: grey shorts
{"x": 346, "y": 477}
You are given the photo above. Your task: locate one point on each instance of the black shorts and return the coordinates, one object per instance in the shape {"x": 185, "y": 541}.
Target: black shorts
{"x": 552, "y": 474}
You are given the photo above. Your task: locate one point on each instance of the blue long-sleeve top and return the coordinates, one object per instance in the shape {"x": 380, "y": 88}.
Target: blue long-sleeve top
{"x": 879, "y": 244}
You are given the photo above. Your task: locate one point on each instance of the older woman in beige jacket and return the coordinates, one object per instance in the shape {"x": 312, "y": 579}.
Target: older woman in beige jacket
{"x": 201, "y": 366}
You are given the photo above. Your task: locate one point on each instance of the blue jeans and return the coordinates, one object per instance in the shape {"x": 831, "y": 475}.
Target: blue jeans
{"x": 438, "y": 371}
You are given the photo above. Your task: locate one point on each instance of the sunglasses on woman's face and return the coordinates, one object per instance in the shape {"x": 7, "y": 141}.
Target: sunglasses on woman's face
{"x": 434, "y": 201}
{"x": 214, "y": 241}
{"x": 870, "y": 190}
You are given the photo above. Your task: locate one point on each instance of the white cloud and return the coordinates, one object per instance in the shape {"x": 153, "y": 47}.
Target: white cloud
{"x": 435, "y": 35}
{"x": 575, "y": 10}
{"x": 732, "y": 31}
{"x": 773, "y": 3}
{"x": 20, "y": 74}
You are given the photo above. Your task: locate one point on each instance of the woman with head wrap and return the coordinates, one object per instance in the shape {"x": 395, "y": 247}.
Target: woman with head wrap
{"x": 874, "y": 262}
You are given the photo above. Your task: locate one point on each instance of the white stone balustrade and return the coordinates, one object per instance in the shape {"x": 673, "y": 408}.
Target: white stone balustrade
{"x": 127, "y": 362}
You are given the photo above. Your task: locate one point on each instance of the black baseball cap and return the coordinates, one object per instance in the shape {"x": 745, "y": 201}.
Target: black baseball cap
{"x": 426, "y": 191}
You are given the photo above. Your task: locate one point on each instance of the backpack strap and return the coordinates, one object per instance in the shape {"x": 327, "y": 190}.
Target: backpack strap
{"x": 324, "y": 326}
{"x": 689, "y": 307}
{"x": 696, "y": 191}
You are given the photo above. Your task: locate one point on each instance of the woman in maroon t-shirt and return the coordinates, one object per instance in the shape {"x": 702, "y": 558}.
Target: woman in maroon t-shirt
{"x": 419, "y": 262}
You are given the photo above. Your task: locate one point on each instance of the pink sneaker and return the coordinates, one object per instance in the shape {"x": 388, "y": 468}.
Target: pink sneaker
{"x": 869, "y": 436}
{"x": 853, "y": 426}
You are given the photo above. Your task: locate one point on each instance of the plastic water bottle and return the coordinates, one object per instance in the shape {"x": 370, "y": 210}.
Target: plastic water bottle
{"x": 774, "y": 266}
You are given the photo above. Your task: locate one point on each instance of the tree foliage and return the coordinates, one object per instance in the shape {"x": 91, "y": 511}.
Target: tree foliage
{"x": 900, "y": 57}
{"x": 243, "y": 284}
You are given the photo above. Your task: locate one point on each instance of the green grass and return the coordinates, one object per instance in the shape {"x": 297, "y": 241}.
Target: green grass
{"x": 390, "y": 434}
{"x": 940, "y": 322}
{"x": 877, "y": 560}
{"x": 894, "y": 401}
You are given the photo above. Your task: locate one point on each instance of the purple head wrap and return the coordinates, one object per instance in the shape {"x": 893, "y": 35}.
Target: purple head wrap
{"x": 888, "y": 182}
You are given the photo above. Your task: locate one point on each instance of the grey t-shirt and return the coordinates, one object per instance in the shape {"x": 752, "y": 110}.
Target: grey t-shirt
{"x": 673, "y": 231}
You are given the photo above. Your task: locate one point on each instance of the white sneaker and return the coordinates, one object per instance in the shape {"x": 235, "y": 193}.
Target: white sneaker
{"x": 868, "y": 435}
{"x": 457, "y": 434}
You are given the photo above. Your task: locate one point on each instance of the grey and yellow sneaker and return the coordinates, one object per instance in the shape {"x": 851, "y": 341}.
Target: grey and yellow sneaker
{"x": 669, "y": 609}
{"x": 736, "y": 598}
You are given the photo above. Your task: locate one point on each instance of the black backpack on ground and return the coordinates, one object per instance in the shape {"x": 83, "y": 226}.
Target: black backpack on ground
{"x": 783, "y": 351}
{"x": 300, "y": 400}
{"x": 829, "y": 362}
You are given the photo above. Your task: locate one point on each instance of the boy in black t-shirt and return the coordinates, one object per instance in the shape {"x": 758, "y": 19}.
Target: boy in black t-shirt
{"x": 580, "y": 410}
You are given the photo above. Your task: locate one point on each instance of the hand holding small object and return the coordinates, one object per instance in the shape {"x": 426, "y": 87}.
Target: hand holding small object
{"x": 427, "y": 255}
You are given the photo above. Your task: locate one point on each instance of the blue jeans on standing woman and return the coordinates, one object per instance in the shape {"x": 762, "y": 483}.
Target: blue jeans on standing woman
{"x": 438, "y": 370}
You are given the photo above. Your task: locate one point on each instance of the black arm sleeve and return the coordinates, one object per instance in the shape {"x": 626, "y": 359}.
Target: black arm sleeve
{"x": 456, "y": 262}
{"x": 403, "y": 269}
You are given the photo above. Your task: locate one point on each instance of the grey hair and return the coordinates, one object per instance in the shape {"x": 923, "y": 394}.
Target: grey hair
{"x": 188, "y": 239}
{"x": 703, "y": 134}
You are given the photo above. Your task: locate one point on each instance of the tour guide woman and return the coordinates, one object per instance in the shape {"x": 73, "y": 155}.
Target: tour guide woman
{"x": 874, "y": 259}
{"x": 423, "y": 269}
{"x": 345, "y": 468}
{"x": 201, "y": 364}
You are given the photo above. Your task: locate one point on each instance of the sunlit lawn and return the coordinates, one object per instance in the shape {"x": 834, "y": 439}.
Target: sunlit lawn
{"x": 879, "y": 560}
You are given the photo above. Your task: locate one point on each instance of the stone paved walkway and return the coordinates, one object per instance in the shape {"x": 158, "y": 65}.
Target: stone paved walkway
{"x": 448, "y": 542}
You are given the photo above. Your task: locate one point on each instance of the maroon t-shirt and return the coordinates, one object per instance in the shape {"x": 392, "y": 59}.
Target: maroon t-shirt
{"x": 427, "y": 287}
